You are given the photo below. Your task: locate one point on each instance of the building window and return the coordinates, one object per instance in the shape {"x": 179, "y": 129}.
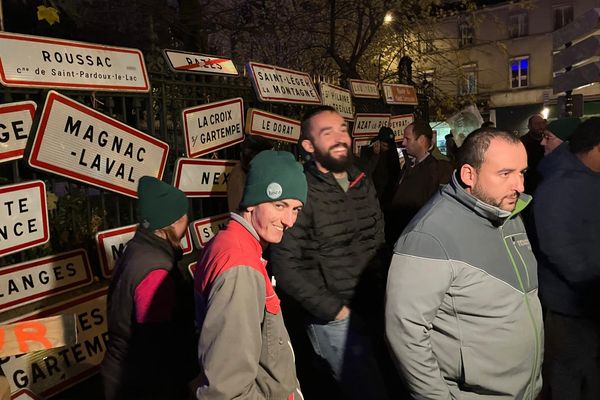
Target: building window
{"x": 465, "y": 32}
{"x": 427, "y": 76}
{"x": 519, "y": 72}
{"x": 518, "y": 25}
{"x": 469, "y": 80}
{"x": 562, "y": 16}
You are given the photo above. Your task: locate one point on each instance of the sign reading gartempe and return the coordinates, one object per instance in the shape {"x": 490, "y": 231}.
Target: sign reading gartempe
{"x": 23, "y": 216}
{"x": 78, "y": 142}
{"x": 213, "y": 126}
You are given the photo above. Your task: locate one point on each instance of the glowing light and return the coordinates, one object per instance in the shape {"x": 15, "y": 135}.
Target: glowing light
{"x": 388, "y": 18}
{"x": 545, "y": 112}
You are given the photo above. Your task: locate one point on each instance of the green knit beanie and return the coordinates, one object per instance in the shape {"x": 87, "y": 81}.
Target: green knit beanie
{"x": 159, "y": 204}
{"x": 564, "y": 128}
{"x": 274, "y": 175}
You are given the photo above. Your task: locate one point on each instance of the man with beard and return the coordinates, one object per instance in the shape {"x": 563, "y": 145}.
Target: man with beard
{"x": 331, "y": 262}
{"x": 463, "y": 318}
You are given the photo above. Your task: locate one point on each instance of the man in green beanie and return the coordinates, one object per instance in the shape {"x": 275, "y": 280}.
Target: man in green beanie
{"x": 244, "y": 349}
{"x": 557, "y": 132}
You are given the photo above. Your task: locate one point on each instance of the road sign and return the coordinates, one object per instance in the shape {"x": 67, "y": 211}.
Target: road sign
{"x": 398, "y": 123}
{"x": 37, "y": 334}
{"x": 196, "y": 63}
{"x": 206, "y": 228}
{"x": 364, "y": 89}
{"x": 202, "y": 178}
{"x": 272, "y": 126}
{"x": 16, "y": 120}
{"x": 399, "y": 94}
{"x": 369, "y": 124}
{"x": 338, "y": 98}
{"x": 278, "y": 84}
{"x": 577, "y": 77}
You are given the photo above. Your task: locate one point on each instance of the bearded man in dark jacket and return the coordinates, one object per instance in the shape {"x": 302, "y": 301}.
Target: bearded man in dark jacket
{"x": 330, "y": 261}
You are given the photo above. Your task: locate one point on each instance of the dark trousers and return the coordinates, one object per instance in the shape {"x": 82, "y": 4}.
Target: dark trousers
{"x": 572, "y": 357}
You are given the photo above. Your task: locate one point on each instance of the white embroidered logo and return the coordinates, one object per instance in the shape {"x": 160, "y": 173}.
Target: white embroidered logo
{"x": 274, "y": 190}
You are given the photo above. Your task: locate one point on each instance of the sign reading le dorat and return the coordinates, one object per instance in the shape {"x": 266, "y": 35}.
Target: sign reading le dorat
{"x": 272, "y": 126}
{"x": 78, "y": 142}
{"x": 213, "y": 126}
{"x": 33, "y": 61}
{"x": 15, "y": 123}
{"x": 23, "y": 216}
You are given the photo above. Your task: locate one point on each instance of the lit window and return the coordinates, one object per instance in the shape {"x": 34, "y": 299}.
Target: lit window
{"x": 469, "y": 80}
{"x": 519, "y": 72}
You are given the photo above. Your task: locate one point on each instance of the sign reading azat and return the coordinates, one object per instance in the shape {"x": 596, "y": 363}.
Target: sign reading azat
{"x": 213, "y": 126}
{"x": 78, "y": 142}
{"x": 282, "y": 85}
{"x": 15, "y": 123}
{"x": 369, "y": 124}
{"x": 33, "y": 61}
{"x": 23, "y": 216}
{"x": 272, "y": 126}
{"x": 111, "y": 245}
{"x": 338, "y": 98}
{"x": 202, "y": 178}
{"x": 206, "y": 228}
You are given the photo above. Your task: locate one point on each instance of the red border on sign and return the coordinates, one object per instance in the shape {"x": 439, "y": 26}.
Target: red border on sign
{"x": 203, "y": 221}
{"x": 254, "y": 111}
{"x": 282, "y": 99}
{"x": 46, "y": 237}
{"x": 394, "y": 102}
{"x": 15, "y": 107}
{"x": 175, "y": 69}
{"x": 367, "y": 115}
{"x": 208, "y": 107}
{"x": 400, "y": 116}
{"x": 45, "y": 260}
{"x": 197, "y": 161}
{"x": 41, "y": 130}
{"x": 363, "y": 96}
{"x": 37, "y": 39}
{"x": 101, "y": 237}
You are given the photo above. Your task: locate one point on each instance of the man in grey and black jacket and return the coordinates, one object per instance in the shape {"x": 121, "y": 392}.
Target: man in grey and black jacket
{"x": 463, "y": 317}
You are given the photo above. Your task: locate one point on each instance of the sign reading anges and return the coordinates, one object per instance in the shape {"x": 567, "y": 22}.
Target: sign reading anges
{"x": 111, "y": 245}
{"x": 15, "y": 123}
{"x": 202, "y": 178}
{"x": 206, "y": 228}
{"x": 360, "y": 142}
{"x": 338, "y": 98}
{"x": 282, "y": 85}
{"x": 394, "y": 93}
{"x": 23, "y": 216}
{"x": 272, "y": 126}
{"x": 42, "y": 278}
{"x": 364, "y": 89}
{"x": 78, "y": 142}
{"x": 33, "y": 61}
{"x": 48, "y": 372}
{"x": 398, "y": 123}
{"x": 369, "y": 124}
{"x": 213, "y": 126}
{"x": 183, "y": 61}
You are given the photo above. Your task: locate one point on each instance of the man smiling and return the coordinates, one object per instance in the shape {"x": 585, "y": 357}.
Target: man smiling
{"x": 244, "y": 348}
{"x": 463, "y": 318}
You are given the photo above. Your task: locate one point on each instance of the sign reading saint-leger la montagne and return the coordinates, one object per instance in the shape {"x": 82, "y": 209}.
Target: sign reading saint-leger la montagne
{"x": 33, "y": 61}
{"x": 184, "y": 61}
{"x": 272, "y": 126}
{"x": 15, "y": 123}
{"x": 282, "y": 85}
{"x": 213, "y": 126}
{"x": 197, "y": 177}
{"x": 23, "y": 216}
{"x": 339, "y": 98}
{"x": 78, "y": 142}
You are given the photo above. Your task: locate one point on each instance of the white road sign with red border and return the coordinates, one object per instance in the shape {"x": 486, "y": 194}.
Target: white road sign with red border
{"x": 338, "y": 98}
{"x": 369, "y": 124}
{"x": 364, "y": 89}
{"x": 183, "y": 61}
{"x": 272, "y": 126}
{"x": 15, "y": 123}
{"x": 206, "y": 228}
{"x": 398, "y": 123}
{"x": 278, "y": 84}
{"x": 202, "y": 178}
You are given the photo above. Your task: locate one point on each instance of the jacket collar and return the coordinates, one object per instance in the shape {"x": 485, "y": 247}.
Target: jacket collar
{"x": 148, "y": 237}
{"x": 495, "y": 215}
{"x": 311, "y": 167}
{"x": 244, "y": 228}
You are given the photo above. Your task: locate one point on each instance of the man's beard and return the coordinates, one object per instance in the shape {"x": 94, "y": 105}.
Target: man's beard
{"x": 481, "y": 195}
{"x": 333, "y": 164}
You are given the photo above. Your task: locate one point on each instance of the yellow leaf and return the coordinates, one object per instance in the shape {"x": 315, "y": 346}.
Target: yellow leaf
{"x": 49, "y": 14}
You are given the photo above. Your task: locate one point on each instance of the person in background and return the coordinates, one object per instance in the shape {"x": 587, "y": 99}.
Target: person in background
{"x": 557, "y": 132}
{"x": 463, "y": 319}
{"x": 535, "y": 151}
{"x": 568, "y": 228}
{"x": 250, "y": 147}
{"x": 451, "y": 148}
{"x": 333, "y": 261}
{"x": 244, "y": 349}
{"x": 152, "y": 344}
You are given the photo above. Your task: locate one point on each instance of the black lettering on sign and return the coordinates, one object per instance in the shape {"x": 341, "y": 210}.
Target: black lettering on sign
{"x": 17, "y": 130}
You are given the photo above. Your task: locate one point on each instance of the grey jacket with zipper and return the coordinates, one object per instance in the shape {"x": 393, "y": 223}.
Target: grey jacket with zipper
{"x": 463, "y": 318}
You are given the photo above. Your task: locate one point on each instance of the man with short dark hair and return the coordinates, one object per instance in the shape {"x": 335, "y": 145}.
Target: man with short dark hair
{"x": 568, "y": 227}
{"x": 532, "y": 141}
{"x": 463, "y": 319}
{"x": 421, "y": 177}
{"x": 332, "y": 261}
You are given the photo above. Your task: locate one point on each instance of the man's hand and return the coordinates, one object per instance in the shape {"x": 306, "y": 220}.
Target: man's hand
{"x": 343, "y": 314}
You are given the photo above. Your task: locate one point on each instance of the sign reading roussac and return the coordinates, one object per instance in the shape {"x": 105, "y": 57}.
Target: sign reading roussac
{"x": 78, "y": 142}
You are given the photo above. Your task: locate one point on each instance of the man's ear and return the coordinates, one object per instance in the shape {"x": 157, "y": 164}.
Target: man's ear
{"x": 308, "y": 146}
{"x": 468, "y": 176}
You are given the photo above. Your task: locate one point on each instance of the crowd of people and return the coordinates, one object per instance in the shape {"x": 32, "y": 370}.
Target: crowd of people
{"x": 468, "y": 276}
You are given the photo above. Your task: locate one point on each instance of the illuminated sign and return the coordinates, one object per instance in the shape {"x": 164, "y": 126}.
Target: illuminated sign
{"x": 272, "y": 126}
{"x": 282, "y": 85}
{"x": 15, "y": 123}
{"x": 183, "y": 61}
{"x": 202, "y": 178}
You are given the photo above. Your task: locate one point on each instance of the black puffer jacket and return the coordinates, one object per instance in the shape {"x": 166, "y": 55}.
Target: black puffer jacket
{"x": 335, "y": 254}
